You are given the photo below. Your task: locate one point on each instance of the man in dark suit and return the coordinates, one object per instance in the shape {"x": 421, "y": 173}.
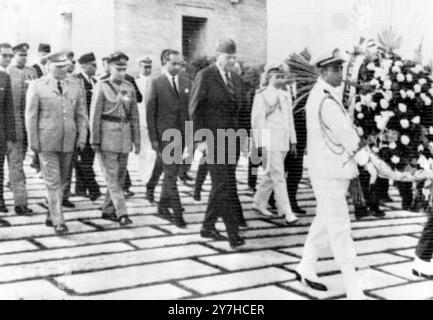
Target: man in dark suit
{"x": 215, "y": 103}
{"x": 167, "y": 97}
{"x": 86, "y": 184}
{"x": 7, "y": 118}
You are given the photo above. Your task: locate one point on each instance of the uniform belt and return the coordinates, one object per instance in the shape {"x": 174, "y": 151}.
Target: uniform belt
{"x": 114, "y": 119}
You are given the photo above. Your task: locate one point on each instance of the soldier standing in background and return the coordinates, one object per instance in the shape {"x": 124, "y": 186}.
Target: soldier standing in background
{"x": 86, "y": 185}
{"x": 20, "y": 76}
{"x": 56, "y": 122}
{"x": 114, "y": 128}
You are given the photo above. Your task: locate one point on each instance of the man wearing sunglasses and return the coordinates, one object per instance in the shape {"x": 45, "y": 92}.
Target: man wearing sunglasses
{"x": 7, "y": 123}
{"x": 57, "y": 123}
{"x": 86, "y": 184}
{"x": 21, "y": 75}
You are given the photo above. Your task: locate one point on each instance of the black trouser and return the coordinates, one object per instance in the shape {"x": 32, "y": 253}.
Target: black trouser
{"x": 156, "y": 174}
{"x": 169, "y": 193}
{"x": 369, "y": 190}
{"x": 294, "y": 167}
{"x": 128, "y": 182}
{"x": 424, "y": 251}
{"x": 2, "y": 165}
{"x": 405, "y": 189}
{"x": 85, "y": 175}
{"x": 36, "y": 164}
{"x": 202, "y": 172}
{"x": 382, "y": 188}
{"x": 223, "y": 199}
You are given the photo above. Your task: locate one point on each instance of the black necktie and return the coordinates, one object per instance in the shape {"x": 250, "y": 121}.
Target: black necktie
{"x": 230, "y": 85}
{"x": 175, "y": 87}
{"x": 59, "y": 86}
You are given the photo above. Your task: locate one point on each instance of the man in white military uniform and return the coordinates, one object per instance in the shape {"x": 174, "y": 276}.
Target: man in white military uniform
{"x": 333, "y": 146}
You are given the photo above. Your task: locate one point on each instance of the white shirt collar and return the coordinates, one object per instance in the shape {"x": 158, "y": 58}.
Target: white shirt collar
{"x": 170, "y": 78}
{"x": 223, "y": 73}
{"x": 88, "y": 78}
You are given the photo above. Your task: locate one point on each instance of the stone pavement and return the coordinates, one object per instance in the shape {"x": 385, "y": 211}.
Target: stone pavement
{"x": 155, "y": 260}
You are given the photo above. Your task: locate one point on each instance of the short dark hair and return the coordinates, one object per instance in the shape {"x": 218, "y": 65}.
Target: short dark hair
{"x": 165, "y": 55}
{"x": 5, "y": 46}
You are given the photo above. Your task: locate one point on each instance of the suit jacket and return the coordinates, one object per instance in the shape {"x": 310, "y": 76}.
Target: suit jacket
{"x": 7, "y": 123}
{"x": 88, "y": 88}
{"x": 122, "y": 104}
{"x": 20, "y": 79}
{"x": 165, "y": 110}
{"x": 55, "y": 121}
{"x": 211, "y": 104}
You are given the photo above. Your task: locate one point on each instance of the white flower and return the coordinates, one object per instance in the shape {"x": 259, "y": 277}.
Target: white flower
{"x": 431, "y": 92}
{"x": 420, "y": 148}
{"x": 373, "y": 105}
{"x": 422, "y": 81}
{"x": 395, "y": 160}
{"x": 404, "y": 123}
{"x": 430, "y": 145}
{"x": 371, "y": 66}
{"x": 430, "y": 131}
{"x": 388, "y": 95}
{"x": 396, "y": 69}
{"x": 387, "y": 84}
{"x": 402, "y": 107}
{"x": 403, "y": 94}
{"x": 405, "y": 140}
{"x": 409, "y": 77}
{"x": 386, "y": 63}
{"x": 423, "y": 96}
{"x": 360, "y": 131}
{"x": 381, "y": 122}
{"x": 427, "y": 102}
{"x": 384, "y": 104}
{"x": 418, "y": 68}
{"x": 400, "y": 77}
{"x": 416, "y": 120}
{"x": 392, "y": 145}
{"x": 410, "y": 94}
{"x": 374, "y": 83}
{"x": 398, "y": 63}
{"x": 360, "y": 116}
{"x": 375, "y": 149}
{"x": 358, "y": 107}
{"x": 417, "y": 88}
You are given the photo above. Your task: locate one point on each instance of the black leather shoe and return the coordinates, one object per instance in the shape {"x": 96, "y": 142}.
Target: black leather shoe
{"x": 81, "y": 194}
{"x": 48, "y": 222}
{"x": 68, "y": 204}
{"x": 236, "y": 242}
{"x": 95, "y": 196}
{"x": 61, "y": 230}
{"x": 361, "y": 212}
{"x": 197, "y": 195}
{"x": 416, "y": 273}
{"x": 298, "y": 210}
{"x": 129, "y": 194}
{"x": 376, "y": 212}
{"x": 164, "y": 212}
{"x": 179, "y": 222}
{"x": 23, "y": 211}
{"x": 313, "y": 285}
{"x": 150, "y": 195}
{"x": 243, "y": 224}
{"x": 125, "y": 221}
{"x": 109, "y": 216}
{"x": 3, "y": 208}
{"x": 212, "y": 234}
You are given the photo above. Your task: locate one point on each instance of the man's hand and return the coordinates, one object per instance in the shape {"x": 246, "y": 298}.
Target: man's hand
{"x": 96, "y": 148}
{"x": 155, "y": 146}
{"x": 9, "y": 145}
{"x": 81, "y": 146}
{"x": 137, "y": 148}
{"x": 293, "y": 150}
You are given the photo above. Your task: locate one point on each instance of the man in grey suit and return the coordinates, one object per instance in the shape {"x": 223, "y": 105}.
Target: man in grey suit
{"x": 167, "y": 98}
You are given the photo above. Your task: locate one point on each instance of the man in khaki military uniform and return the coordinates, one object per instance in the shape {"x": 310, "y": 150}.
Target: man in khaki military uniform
{"x": 114, "y": 127}
{"x": 20, "y": 75}
{"x": 56, "y": 122}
